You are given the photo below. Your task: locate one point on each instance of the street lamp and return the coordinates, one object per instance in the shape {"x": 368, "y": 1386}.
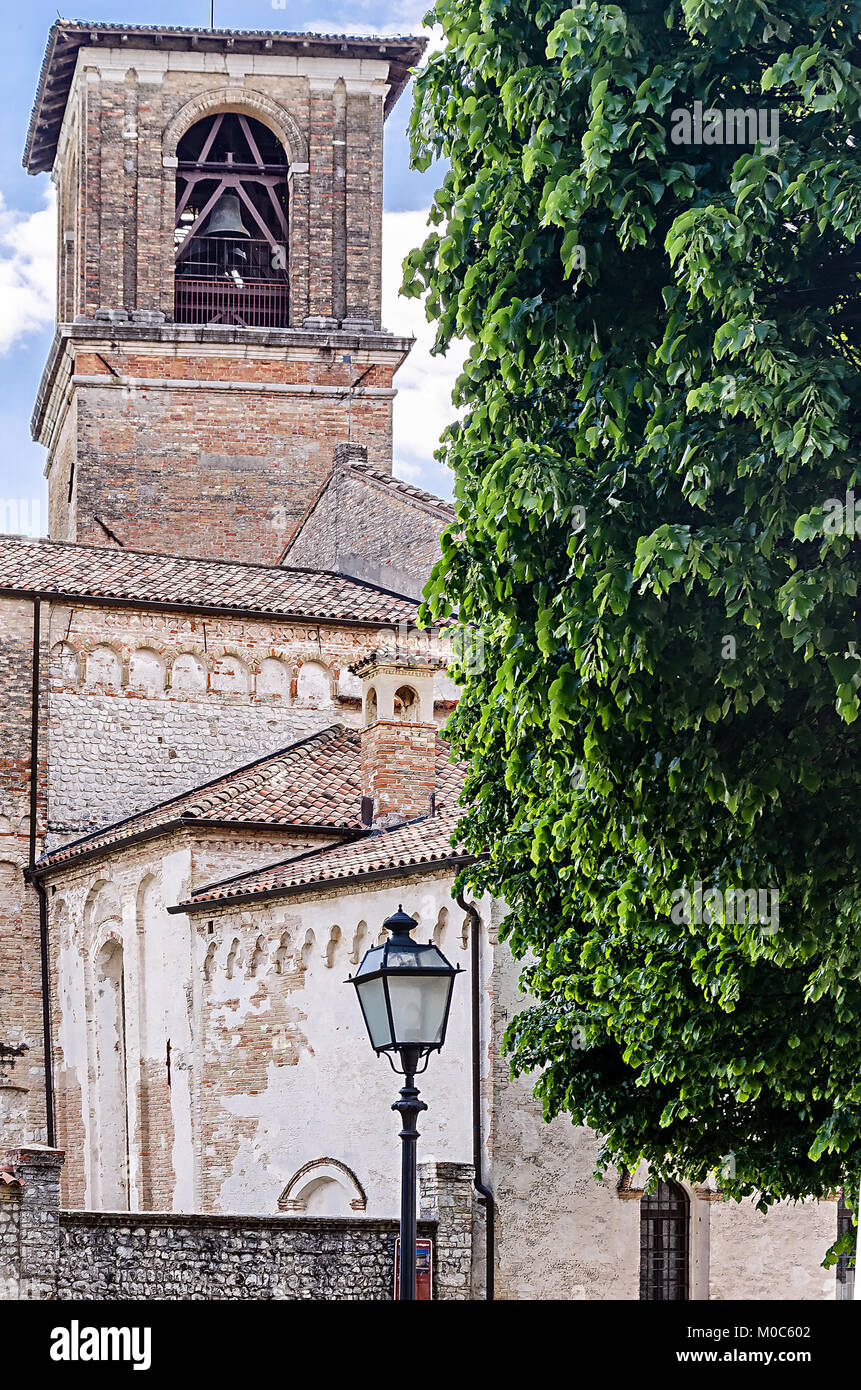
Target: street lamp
{"x": 404, "y": 990}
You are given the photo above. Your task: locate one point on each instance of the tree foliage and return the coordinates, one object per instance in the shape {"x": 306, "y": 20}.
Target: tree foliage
{"x": 661, "y": 396}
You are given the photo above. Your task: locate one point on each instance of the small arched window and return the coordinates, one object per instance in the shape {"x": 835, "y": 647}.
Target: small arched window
{"x": 231, "y": 224}
{"x": 664, "y": 1240}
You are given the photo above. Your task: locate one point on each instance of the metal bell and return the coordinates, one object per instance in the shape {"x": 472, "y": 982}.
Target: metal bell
{"x": 226, "y": 218}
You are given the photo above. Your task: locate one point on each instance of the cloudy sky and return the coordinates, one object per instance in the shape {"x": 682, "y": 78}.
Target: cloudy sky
{"x": 27, "y": 226}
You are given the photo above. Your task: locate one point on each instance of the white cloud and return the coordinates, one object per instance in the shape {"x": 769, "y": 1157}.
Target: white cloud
{"x": 409, "y": 15}
{"x": 28, "y": 250}
{"x": 423, "y": 406}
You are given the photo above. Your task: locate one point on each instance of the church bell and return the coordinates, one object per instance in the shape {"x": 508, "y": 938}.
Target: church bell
{"x": 226, "y": 219}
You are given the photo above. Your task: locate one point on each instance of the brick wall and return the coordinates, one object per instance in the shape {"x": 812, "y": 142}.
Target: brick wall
{"x": 211, "y": 456}
{"x": 22, "y": 1097}
{"x": 398, "y": 770}
{"x": 212, "y": 441}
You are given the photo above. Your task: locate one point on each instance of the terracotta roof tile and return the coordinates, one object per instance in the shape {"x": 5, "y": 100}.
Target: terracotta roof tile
{"x": 416, "y": 844}
{"x": 417, "y": 494}
{"x": 315, "y": 782}
{"x": 30, "y": 565}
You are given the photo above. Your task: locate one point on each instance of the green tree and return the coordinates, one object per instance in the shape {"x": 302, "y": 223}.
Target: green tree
{"x": 661, "y": 397}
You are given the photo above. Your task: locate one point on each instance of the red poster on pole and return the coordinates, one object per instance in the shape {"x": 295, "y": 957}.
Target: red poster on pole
{"x": 424, "y": 1269}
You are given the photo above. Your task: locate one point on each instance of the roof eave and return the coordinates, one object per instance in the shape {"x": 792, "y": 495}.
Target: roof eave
{"x": 294, "y": 890}
{"x": 67, "y": 37}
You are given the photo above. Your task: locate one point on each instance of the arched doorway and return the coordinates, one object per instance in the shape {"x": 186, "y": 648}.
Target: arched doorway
{"x": 664, "y": 1244}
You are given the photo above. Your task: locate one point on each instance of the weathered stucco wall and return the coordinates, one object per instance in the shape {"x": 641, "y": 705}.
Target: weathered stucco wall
{"x": 244, "y": 1057}
{"x": 563, "y": 1235}
{"x": 773, "y": 1255}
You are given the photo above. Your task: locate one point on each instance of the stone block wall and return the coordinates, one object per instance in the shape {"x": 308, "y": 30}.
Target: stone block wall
{"x": 447, "y": 1195}
{"x": 46, "y": 1253}
{"x": 365, "y": 525}
{"x": 146, "y": 705}
{"x": 157, "y": 1256}
{"x": 30, "y": 1222}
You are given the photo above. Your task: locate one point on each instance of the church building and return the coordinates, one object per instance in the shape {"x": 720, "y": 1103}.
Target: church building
{"x": 223, "y": 753}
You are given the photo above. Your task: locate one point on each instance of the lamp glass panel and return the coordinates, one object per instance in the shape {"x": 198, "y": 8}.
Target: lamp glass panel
{"x": 419, "y": 1007}
{"x": 373, "y": 1000}
{"x": 371, "y": 961}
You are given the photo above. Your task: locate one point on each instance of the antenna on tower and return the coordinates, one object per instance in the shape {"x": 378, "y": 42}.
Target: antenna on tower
{"x": 212, "y": 14}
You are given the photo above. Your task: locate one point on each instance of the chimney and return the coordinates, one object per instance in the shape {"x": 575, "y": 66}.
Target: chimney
{"x": 398, "y": 738}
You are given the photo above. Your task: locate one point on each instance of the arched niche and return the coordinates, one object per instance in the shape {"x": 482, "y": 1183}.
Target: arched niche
{"x": 408, "y": 705}
{"x": 323, "y": 1187}
{"x": 104, "y": 667}
{"x": 146, "y": 670}
{"x": 230, "y": 676}
{"x": 188, "y": 674}
{"x": 273, "y": 679}
{"x": 370, "y": 705}
{"x": 314, "y": 685}
{"x": 110, "y": 1131}
{"x": 65, "y": 663}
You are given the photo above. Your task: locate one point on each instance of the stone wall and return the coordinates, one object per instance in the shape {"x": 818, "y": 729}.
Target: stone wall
{"x": 154, "y": 1256}
{"x": 365, "y": 525}
{"x": 146, "y": 705}
{"x": 48, "y": 1253}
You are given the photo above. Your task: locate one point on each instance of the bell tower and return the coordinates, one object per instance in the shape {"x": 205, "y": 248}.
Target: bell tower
{"x": 219, "y": 280}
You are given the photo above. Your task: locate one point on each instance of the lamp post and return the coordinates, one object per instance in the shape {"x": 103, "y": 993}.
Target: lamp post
{"x": 404, "y": 989}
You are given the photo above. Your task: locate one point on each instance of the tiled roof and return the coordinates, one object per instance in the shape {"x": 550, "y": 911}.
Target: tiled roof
{"x": 313, "y": 783}
{"x": 29, "y": 565}
{"x": 419, "y": 843}
{"x": 417, "y": 494}
{"x": 68, "y": 35}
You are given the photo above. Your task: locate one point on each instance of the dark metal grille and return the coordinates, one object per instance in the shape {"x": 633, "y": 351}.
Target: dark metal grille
{"x": 664, "y": 1222}
{"x": 227, "y": 281}
{"x": 845, "y": 1263}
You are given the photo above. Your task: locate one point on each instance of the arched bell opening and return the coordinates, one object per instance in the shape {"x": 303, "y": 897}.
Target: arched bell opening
{"x": 231, "y": 233}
